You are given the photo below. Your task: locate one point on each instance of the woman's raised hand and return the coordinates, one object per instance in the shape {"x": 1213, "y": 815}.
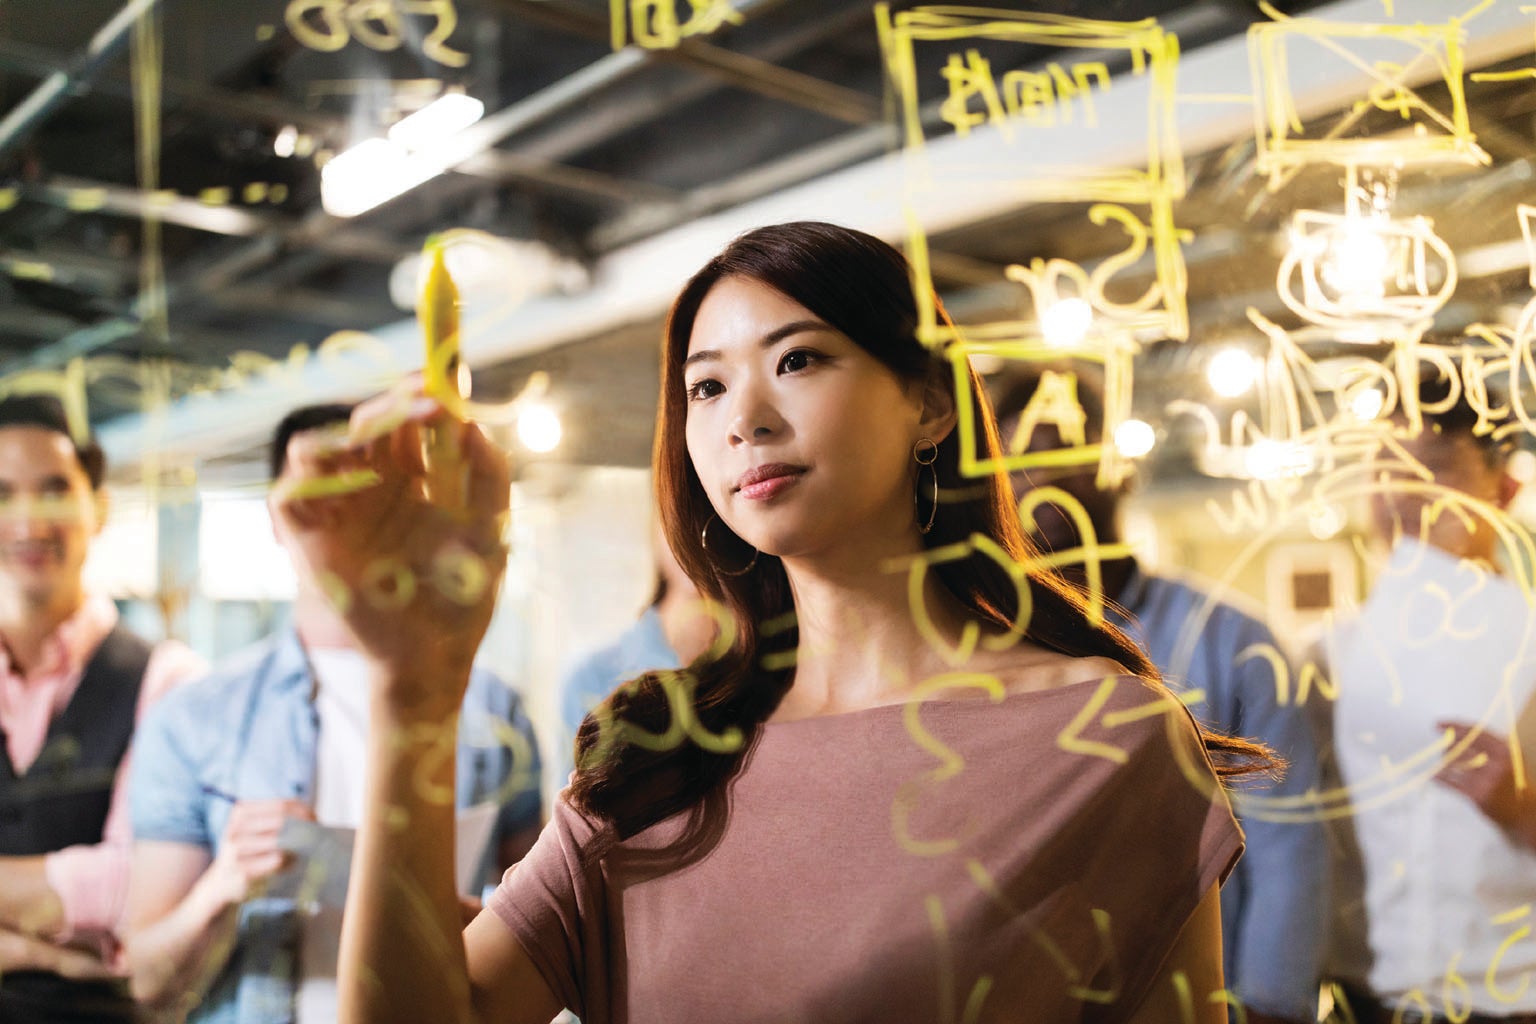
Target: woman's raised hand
{"x": 413, "y": 577}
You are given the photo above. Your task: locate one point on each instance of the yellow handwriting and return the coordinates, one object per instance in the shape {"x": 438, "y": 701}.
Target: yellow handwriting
{"x": 329, "y": 25}
{"x": 654, "y": 24}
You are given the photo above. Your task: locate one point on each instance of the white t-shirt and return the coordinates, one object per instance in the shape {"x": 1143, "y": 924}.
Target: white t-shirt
{"x": 1438, "y": 889}
{"x": 341, "y": 701}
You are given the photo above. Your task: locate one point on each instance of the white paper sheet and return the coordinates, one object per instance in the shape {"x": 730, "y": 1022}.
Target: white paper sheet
{"x": 323, "y": 857}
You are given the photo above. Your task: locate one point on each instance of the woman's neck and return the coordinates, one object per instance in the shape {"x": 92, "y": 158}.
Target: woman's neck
{"x": 860, "y": 644}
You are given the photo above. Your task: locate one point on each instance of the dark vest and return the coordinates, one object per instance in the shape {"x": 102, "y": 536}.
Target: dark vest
{"x": 62, "y": 800}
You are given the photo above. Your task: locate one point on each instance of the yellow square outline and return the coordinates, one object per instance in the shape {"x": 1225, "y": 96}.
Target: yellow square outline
{"x": 1115, "y": 357}
{"x": 1152, "y": 50}
{"x": 1274, "y": 118}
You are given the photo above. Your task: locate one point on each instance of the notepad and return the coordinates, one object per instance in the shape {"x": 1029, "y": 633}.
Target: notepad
{"x": 323, "y": 857}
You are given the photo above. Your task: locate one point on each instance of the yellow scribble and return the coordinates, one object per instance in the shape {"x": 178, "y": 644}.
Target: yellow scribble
{"x": 1490, "y": 978}
{"x": 1114, "y": 353}
{"x": 1070, "y": 738}
{"x": 1020, "y": 104}
{"x": 950, "y": 765}
{"x": 329, "y": 25}
{"x": 678, "y": 686}
{"x": 1285, "y": 143}
{"x": 1034, "y": 97}
{"x": 978, "y": 545}
{"x": 654, "y": 24}
{"x": 85, "y": 200}
{"x": 1090, "y": 554}
{"x": 947, "y": 983}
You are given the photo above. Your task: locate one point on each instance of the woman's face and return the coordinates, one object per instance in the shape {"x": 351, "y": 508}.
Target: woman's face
{"x": 802, "y": 440}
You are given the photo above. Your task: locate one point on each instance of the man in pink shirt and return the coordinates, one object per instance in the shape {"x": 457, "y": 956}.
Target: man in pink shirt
{"x": 72, "y": 686}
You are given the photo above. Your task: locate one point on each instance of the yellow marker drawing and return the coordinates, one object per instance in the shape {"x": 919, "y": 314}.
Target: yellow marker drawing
{"x": 1070, "y": 739}
{"x": 1442, "y": 129}
{"x": 654, "y": 24}
{"x": 1506, "y": 76}
{"x": 84, "y": 200}
{"x": 1023, "y": 108}
{"x": 1113, "y": 352}
{"x": 329, "y": 25}
{"x": 1491, "y": 982}
{"x": 438, "y": 313}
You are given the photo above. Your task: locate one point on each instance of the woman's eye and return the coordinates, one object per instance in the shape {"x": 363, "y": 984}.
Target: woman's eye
{"x": 797, "y": 360}
{"x": 703, "y": 389}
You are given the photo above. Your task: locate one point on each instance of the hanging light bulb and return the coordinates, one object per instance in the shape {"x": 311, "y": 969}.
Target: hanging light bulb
{"x": 1358, "y": 261}
{"x": 1065, "y": 322}
{"x": 1134, "y": 438}
{"x": 1232, "y": 372}
{"x": 1271, "y": 460}
{"x": 539, "y": 428}
{"x": 1367, "y": 404}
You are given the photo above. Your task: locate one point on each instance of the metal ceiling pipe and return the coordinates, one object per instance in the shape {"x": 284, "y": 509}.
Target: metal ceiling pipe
{"x": 183, "y": 93}
{"x": 202, "y": 98}
{"x": 557, "y": 97}
{"x": 58, "y": 86}
{"x": 646, "y": 102}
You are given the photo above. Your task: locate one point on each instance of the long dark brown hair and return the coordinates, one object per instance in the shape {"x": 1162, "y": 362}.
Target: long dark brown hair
{"x": 861, "y": 287}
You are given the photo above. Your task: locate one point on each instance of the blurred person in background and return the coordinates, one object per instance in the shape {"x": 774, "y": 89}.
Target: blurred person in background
{"x": 73, "y": 686}
{"x": 673, "y": 630}
{"x": 277, "y": 734}
{"x": 1434, "y": 884}
{"x": 1274, "y": 905}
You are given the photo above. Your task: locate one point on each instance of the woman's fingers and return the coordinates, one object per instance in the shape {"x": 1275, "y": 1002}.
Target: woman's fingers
{"x": 381, "y": 415}
{"x": 375, "y": 532}
{"x": 323, "y": 470}
{"x": 490, "y": 473}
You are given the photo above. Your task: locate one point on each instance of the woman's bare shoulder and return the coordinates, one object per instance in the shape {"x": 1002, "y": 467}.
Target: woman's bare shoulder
{"x": 1029, "y": 668}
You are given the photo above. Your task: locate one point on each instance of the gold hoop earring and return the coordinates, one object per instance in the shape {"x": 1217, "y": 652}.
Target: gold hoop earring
{"x": 704, "y": 543}
{"x": 918, "y": 456}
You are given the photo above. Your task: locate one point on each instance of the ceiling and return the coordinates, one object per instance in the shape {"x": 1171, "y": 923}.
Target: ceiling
{"x": 147, "y": 220}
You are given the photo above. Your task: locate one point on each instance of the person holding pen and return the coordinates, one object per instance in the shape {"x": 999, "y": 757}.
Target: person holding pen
{"x": 915, "y": 781}
{"x": 274, "y": 735}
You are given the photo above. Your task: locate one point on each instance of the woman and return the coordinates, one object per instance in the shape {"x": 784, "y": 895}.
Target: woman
{"x": 834, "y": 815}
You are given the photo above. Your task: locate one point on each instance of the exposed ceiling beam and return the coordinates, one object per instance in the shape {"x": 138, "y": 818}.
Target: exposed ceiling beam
{"x": 80, "y": 342}
{"x": 743, "y": 71}
{"x": 776, "y": 83}
{"x": 332, "y": 311}
{"x": 822, "y": 158}
{"x": 182, "y": 93}
{"x": 500, "y": 164}
{"x": 648, "y": 100}
{"x": 36, "y": 325}
{"x": 82, "y": 195}
{"x": 58, "y": 87}
{"x": 82, "y": 272}
{"x": 273, "y": 112}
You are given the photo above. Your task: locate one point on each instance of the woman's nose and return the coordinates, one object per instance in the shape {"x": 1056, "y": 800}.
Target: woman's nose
{"x": 755, "y": 419}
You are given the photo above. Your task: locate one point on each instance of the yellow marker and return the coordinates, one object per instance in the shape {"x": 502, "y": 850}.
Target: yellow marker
{"x": 438, "y": 312}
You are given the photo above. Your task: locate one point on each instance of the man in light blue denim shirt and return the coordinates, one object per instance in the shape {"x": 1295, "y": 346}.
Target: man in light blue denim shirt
{"x": 672, "y": 631}
{"x": 270, "y": 737}
{"x": 1274, "y": 907}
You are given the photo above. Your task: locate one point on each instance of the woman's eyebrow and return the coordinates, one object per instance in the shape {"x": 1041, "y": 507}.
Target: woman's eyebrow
{"x": 768, "y": 340}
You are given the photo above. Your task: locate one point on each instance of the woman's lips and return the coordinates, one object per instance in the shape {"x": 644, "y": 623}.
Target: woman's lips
{"x": 768, "y": 481}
